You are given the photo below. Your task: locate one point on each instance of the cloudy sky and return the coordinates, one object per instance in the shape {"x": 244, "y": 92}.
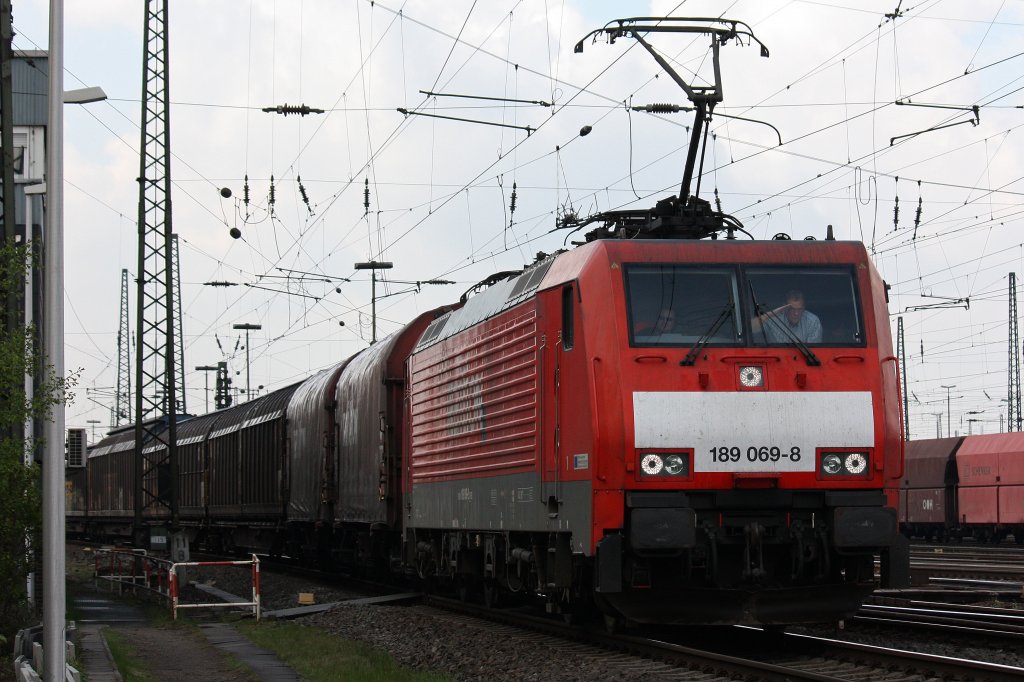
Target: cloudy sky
{"x": 440, "y": 190}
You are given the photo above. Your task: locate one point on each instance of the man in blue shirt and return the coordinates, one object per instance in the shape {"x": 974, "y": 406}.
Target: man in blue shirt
{"x": 794, "y": 317}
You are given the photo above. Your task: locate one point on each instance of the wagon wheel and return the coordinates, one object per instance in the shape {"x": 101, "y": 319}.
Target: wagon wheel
{"x": 462, "y": 588}
{"x": 491, "y": 594}
{"x": 613, "y": 624}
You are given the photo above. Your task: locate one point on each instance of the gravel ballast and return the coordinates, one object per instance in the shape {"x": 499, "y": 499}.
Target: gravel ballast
{"x": 466, "y": 649}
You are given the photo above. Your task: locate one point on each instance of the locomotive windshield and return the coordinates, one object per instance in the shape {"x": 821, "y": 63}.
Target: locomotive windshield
{"x": 816, "y": 306}
{"x": 675, "y": 305}
{"x": 684, "y": 305}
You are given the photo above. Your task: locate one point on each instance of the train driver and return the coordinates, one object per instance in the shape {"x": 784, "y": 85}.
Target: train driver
{"x": 792, "y": 316}
{"x": 664, "y": 323}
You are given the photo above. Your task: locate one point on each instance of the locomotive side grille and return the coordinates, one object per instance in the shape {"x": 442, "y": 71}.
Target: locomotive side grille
{"x": 433, "y": 331}
{"x": 528, "y": 282}
{"x": 475, "y": 406}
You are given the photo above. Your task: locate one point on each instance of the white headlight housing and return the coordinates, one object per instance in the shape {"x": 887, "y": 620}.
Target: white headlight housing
{"x": 665, "y": 464}
{"x": 674, "y": 465}
{"x": 832, "y": 464}
{"x": 855, "y": 463}
{"x": 845, "y": 464}
{"x": 651, "y": 464}
{"x": 751, "y": 376}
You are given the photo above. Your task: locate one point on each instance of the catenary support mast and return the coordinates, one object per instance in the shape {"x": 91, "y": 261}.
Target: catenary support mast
{"x": 157, "y": 384}
{"x": 122, "y": 412}
{"x": 1013, "y": 421}
{"x": 901, "y": 353}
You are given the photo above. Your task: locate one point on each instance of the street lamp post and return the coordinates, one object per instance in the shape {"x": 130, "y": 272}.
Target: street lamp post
{"x": 55, "y": 597}
{"x": 210, "y": 368}
{"x": 948, "y": 420}
{"x": 373, "y": 266}
{"x": 247, "y": 328}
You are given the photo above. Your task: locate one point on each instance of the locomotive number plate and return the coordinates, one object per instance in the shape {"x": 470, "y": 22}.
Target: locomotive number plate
{"x": 753, "y": 431}
{"x": 755, "y": 453}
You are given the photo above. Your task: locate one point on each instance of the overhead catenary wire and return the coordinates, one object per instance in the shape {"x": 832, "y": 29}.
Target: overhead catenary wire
{"x": 292, "y": 247}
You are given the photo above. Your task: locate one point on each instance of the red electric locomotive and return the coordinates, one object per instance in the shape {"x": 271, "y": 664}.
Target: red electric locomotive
{"x": 633, "y": 417}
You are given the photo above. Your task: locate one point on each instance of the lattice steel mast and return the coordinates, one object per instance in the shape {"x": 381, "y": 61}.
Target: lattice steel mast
{"x": 179, "y": 335}
{"x": 1013, "y": 417}
{"x": 122, "y": 411}
{"x": 157, "y": 387}
{"x": 901, "y": 353}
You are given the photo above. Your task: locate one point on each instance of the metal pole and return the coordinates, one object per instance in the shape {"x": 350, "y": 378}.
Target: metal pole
{"x": 206, "y": 369}
{"x": 948, "y": 419}
{"x": 373, "y": 266}
{"x": 247, "y": 388}
{"x": 247, "y": 327}
{"x": 54, "y": 598}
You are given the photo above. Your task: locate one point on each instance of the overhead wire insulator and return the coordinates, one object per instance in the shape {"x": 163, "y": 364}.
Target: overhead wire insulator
{"x": 718, "y": 201}
{"x": 917, "y": 216}
{"x": 512, "y": 206}
{"x": 245, "y": 197}
{"x": 896, "y": 207}
{"x": 366, "y": 196}
{"x": 288, "y": 109}
{"x": 661, "y": 108}
{"x": 305, "y": 197}
{"x": 272, "y": 200}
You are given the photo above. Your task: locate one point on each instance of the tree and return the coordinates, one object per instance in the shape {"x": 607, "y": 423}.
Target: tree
{"x": 20, "y": 519}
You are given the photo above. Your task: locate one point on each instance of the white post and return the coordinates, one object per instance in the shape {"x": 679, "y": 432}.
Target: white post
{"x": 54, "y": 597}
{"x": 30, "y": 192}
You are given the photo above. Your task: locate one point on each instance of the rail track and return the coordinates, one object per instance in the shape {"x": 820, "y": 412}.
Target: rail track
{"x": 742, "y": 653}
{"x": 928, "y": 562}
{"x": 968, "y": 620}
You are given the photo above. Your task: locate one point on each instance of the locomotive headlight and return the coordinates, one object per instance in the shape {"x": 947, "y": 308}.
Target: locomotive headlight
{"x": 855, "y": 463}
{"x": 675, "y": 465}
{"x": 652, "y": 464}
{"x": 751, "y": 376}
{"x": 831, "y": 464}
{"x": 665, "y": 464}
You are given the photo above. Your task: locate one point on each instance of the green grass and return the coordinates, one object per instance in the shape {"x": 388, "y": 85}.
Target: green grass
{"x": 321, "y": 657}
{"x": 131, "y": 667}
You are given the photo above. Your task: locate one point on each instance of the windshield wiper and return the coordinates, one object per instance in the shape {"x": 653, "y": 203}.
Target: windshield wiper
{"x": 691, "y": 357}
{"x": 809, "y": 356}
